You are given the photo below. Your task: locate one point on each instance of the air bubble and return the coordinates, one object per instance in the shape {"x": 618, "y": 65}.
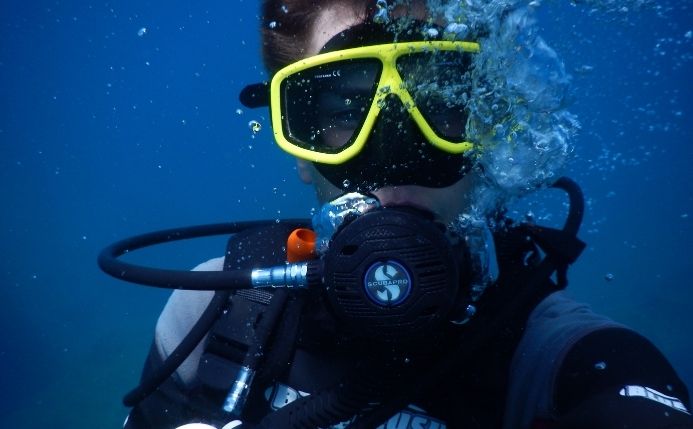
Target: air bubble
{"x": 432, "y": 32}
{"x": 456, "y": 31}
{"x": 254, "y": 126}
{"x": 381, "y": 16}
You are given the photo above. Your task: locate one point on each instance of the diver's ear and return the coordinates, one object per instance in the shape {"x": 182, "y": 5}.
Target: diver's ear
{"x": 305, "y": 172}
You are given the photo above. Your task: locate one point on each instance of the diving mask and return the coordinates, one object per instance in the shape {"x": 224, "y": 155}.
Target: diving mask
{"x": 376, "y": 108}
{"x": 324, "y": 108}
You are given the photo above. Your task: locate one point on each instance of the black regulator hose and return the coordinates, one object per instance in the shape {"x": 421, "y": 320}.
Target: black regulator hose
{"x": 577, "y": 204}
{"x": 180, "y": 279}
{"x": 181, "y": 352}
{"x": 221, "y": 281}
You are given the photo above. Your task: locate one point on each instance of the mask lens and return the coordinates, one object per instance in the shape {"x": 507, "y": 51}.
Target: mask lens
{"x": 324, "y": 107}
{"x": 440, "y": 85}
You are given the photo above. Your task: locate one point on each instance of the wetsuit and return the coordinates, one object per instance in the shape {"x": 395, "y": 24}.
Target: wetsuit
{"x": 562, "y": 367}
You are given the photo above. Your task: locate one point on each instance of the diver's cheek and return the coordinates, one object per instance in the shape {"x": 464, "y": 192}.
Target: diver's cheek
{"x": 324, "y": 190}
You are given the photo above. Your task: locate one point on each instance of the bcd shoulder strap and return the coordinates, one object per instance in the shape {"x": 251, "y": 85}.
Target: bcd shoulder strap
{"x": 235, "y": 334}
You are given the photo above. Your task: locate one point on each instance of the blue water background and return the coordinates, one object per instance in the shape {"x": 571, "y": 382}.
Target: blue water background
{"x": 105, "y": 133}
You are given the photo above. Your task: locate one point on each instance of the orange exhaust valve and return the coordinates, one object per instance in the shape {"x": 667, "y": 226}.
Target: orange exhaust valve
{"x": 300, "y": 246}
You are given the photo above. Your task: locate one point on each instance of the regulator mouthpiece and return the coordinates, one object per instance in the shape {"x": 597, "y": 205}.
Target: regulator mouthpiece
{"x": 391, "y": 275}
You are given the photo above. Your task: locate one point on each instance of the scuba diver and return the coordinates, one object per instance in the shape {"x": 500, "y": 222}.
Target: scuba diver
{"x": 390, "y": 309}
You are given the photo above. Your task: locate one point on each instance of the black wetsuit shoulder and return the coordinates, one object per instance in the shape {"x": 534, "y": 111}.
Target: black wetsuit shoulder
{"x": 615, "y": 378}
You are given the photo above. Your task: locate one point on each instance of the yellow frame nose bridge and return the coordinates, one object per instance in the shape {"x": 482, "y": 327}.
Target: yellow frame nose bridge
{"x": 390, "y": 82}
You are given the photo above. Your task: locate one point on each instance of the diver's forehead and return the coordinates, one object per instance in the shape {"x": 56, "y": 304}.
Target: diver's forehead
{"x": 330, "y": 22}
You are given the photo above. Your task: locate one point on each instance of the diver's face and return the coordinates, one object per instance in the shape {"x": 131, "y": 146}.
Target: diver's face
{"x": 446, "y": 203}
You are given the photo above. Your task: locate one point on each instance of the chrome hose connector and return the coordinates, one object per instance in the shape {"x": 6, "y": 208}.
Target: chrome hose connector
{"x": 289, "y": 275}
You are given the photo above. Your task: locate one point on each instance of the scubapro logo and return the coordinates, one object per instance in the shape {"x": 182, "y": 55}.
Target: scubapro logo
{"x": 387, "y": 283}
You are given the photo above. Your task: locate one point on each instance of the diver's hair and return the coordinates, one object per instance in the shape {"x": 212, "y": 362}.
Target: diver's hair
{"x": 287, "y": 26}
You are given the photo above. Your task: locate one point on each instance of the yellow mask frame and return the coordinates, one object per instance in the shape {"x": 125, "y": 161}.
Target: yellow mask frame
{"x": 390, "y": 82}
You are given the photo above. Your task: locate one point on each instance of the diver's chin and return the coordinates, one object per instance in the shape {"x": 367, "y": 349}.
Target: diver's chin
{"x": 414, "y": 196}
{"x": 444, "y": 203}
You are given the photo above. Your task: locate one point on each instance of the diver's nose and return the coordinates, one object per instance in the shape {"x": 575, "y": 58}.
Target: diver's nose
{"x": 396, "y": 153}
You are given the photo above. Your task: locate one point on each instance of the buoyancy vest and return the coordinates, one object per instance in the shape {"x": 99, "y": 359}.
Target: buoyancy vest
{"x": 300, "y": 356}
